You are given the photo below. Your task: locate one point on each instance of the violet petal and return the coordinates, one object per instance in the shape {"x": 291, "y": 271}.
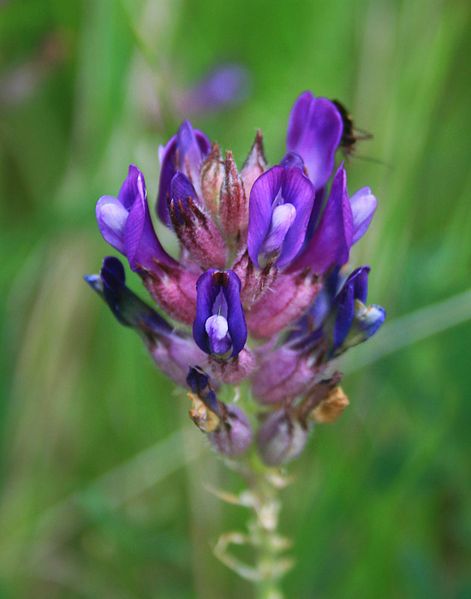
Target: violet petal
{"x": 264, "y": 191}
{"x": 235, "y": 313}
{"x": 184, "y": 152}
{"x": 206, "y": 293}
{"x": 332, "y": 239}
{"x": 298, "y": 191}
{"x": 111, "y": 218}
{"x": 282, "y": 218}
{"x": 363, "y": 204}
{"x": 217, "y": 329}
{"x": 127, "y": 307}
{"x": 314, "y": 132}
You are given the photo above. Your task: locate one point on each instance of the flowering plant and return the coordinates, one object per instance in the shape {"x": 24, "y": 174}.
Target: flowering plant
{"x": 262, "y": 280}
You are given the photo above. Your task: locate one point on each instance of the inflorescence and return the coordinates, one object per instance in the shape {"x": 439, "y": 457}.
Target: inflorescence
{"x": 261, "y": 279}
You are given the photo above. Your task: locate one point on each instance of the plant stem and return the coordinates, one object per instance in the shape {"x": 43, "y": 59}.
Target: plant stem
{"x": 262, "y": 534}
{"x": 266, "y": 538}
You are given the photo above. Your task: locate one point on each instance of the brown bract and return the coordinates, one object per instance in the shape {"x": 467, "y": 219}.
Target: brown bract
{"x": 331, "y": 407}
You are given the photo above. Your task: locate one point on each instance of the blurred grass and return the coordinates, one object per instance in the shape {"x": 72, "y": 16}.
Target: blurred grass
{"x": 385, "y": 507}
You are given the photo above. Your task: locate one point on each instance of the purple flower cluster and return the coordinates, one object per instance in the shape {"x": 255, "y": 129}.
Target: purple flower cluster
{"x": 261, "y": 278}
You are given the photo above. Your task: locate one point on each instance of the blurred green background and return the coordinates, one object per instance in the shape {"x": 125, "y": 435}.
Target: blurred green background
{"x": 101, "y": 474}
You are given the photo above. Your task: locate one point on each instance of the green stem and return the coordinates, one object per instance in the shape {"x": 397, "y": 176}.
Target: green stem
{"x": 262, "y": 498}
{"x": 264, "y": 530}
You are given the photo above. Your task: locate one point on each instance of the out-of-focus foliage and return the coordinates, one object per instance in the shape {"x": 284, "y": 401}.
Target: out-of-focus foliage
{"x": 101, "y": 475}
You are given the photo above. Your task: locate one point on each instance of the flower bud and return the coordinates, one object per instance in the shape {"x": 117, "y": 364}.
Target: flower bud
{"x": 234, "y": 435}
{"x": 185, "y": 153}
{"x": 254, "y": 281}
{"x": 174, "y": 354}
{"x": 193, "y": 227}
{"x": 255, "y": 164}
{"x": 281, "y": 375}
{"x": 233, "y": 203}
{"x": 281, "y": 438}
{"x": 212, "y": 176}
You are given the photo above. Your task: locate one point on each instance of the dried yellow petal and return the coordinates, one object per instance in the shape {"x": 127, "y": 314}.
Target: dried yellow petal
{"x": 331, "y": 407}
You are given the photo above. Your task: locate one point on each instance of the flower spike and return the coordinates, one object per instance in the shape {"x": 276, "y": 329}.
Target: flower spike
{"x": 262, "y": 277}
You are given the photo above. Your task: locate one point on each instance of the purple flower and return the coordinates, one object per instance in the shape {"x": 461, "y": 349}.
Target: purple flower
{"x": 354, "y": 321}
{"x": 355, "y": 288}
{"x": 219, "y": 328}
{"x": 125, "y": 305}
{"x": 280, "y": 204}
{"x": 182, "y": 194}
{"x": 126, "y": 225}
{"x": 343, "y": 222}
{"x": 339, "y": 318}
{"x": 172, "y": 352}
{"x": 185, "y": 153}
{"x": 333, "y": 237}
{"x": 314, "y": 133}
{"x": 223, "y": 86}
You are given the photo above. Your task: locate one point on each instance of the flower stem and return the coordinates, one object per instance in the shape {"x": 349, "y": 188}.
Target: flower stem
{"x": 262, "y": 499}
{"x": 266, "y": 538}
